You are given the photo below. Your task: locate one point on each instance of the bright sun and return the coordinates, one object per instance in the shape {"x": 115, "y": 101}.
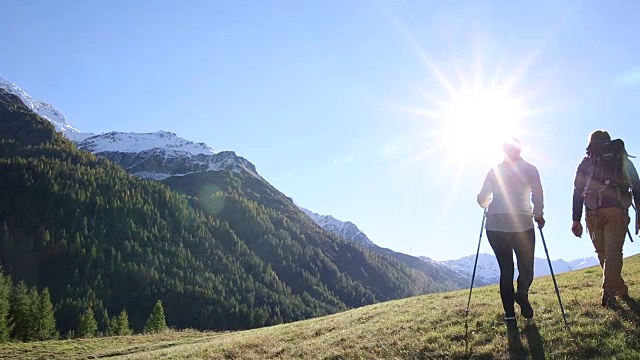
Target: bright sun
{"x": 473, "y": 125}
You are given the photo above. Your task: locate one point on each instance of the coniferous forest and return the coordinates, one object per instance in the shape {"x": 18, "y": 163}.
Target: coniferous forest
{"x": 93, "y": 250}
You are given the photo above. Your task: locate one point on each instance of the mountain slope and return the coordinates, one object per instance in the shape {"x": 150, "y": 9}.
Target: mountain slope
{"x": 293, "y": 237}
{"x": 441, "y": 273}
{"x": 236, "y": 254}
{"x": 98, "y": 237}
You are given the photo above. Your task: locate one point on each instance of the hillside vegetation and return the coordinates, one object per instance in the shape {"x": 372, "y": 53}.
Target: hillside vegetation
{"x": 237, "y": 254}
{"x": 421, "y": 327}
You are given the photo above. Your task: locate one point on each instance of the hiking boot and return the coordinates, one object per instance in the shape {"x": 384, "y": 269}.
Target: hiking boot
{"x": 522, "y": 299}
{"x": 608, "y": 300}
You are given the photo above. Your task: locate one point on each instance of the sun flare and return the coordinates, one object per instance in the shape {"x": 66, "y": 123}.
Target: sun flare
{"x": 474, "y": 125}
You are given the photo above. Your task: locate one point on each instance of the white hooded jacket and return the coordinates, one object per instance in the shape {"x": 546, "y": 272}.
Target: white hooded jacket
{"x": 510, "y": 188}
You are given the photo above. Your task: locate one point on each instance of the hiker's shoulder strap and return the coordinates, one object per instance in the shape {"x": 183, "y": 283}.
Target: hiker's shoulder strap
{"x": 582, "y": 173}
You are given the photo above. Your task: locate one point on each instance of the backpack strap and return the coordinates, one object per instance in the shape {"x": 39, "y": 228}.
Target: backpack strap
{"x": 588, "y": 182}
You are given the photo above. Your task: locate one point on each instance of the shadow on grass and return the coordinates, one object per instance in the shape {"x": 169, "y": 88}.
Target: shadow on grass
{"x": 536, "y": 343}
{"x": 632, "y": 313}
{"x": 516, "y": 349}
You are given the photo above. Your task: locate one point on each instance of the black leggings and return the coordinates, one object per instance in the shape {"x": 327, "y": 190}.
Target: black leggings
{"x": 504, "y": 244}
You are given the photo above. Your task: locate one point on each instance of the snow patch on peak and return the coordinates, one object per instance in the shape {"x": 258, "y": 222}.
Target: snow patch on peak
{"x": 139, "y": 142}
{"x": 583, "y": 263}
{"x": 345, "y": 229}
{"x": 487, "y": 268}
{"x": 45, "y": 110}
{"x": 489, "y": 271}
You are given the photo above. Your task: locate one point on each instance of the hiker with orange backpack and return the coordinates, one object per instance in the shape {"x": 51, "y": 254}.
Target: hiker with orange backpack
{"x": 604, "y": 183}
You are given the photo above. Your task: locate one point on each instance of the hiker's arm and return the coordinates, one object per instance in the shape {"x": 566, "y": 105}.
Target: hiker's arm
{"x": 579, "y": 184}
{"x": 632, "y": 175}
{"x": 484, "y": 197}
{"x": 537, "y": 196}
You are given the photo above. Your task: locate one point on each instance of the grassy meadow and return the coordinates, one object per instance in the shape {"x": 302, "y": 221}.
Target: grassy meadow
{"x": 423, "y": 327}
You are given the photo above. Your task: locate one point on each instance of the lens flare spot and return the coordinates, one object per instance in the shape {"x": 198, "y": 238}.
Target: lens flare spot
{"x": 211, "y": 199}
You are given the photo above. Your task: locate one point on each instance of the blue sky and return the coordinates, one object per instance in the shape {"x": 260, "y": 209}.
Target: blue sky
{"x": 328, "y": 98}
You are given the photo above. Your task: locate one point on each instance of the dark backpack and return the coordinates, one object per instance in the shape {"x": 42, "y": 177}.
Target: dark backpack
{"x": 607, "y": 183}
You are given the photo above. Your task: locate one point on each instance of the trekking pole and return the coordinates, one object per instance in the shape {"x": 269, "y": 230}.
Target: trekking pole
{"x": 473, "y": 276}
{"x": 629, "y": 232}
{"x": 555, "y": 284}
{"x": 475, "y": 264}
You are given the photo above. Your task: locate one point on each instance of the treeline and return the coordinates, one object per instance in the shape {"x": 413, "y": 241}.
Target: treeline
{"x": 27, "y": 314}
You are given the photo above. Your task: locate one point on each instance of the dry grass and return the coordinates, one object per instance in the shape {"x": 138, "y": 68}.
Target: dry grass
{"x": 423, "y": 327}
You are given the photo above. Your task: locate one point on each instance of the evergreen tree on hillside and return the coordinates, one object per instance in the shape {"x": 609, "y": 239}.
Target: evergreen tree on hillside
{"x": 22, "y": 305}
{"x": 123, "y": 327}
{"x": 44, "y": 322}
{"x": 5, "y": 307}
{"x": 88, "y": 326}
{"x": 112, "y": 326}
{"x": 156, "y": 322}
{"x": 119, "y": 325}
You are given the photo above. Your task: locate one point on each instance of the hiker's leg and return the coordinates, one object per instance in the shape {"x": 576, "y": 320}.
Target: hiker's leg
{"x": 596, "y": 232}
{"x": 524, "y": 247}
{"x": 501, "y": 245}
{"x": 615, "y": 231}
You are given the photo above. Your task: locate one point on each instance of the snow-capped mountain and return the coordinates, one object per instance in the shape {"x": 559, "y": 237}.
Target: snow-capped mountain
{"x": 541, "y": 266}
{"x": 488, "y": 270}
{"x": 45, "y": 110}
{"x": 156, "y": 155}
{"x": 162, "y": 154}
{"x": 344, "y": 229}
{"x": 138, "y": 142}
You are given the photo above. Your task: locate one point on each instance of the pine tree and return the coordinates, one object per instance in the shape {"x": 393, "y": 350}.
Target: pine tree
{"x": 45, "y": 322}
{"x": 119, "y": 325}
{"x": 112, "y": 327}
{"x": 5, "y": 303}
{"x": 88, "y": 326}
{"x": 156, "y": 322}
{"x": 123, "y": 324}
{"x": 22, "y": 312}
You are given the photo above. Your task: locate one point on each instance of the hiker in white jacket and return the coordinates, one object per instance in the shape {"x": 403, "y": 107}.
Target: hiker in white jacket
{"x": 508, "y": 191}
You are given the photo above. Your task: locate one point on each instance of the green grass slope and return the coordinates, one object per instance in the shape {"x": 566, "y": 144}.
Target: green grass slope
{"x": 421, "y": 327}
